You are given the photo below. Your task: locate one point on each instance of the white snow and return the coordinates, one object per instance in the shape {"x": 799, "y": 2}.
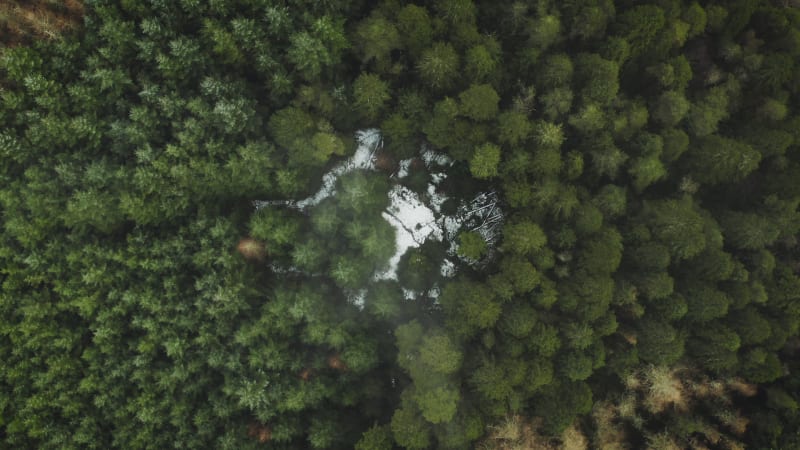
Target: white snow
{"x": 413, "y": 219}
{"x": 364, "y": 158}
{"x": 358, "y": 298}
{"x": 435, "y": 199}
{"x": 408, "y": 294}
{"x": 448, "y": 268}
{"x": 437, "y": 178}
{"x": 404, "y": 168}
{"x": 413, "y": 222}
{"x": 482, "y": 214}
{"x": 435, "y": 158}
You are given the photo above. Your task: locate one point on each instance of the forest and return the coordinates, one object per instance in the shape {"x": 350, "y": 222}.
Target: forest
{"x": 427, "y": 224}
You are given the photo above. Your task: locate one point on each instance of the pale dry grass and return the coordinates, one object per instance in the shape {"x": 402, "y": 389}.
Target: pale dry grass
{"x": 632, "y": 381}
{"x": 608, "y": 435}
{"x": 661, "y": 441}
{"x": 712, "y": 434}
{"x": 652, "y": 391}
{"x": 574, "y": 439}
{"x": 517, "y": 433}
{"x": 734, "y": 421}
{"x": 697, "y": 445}
{"x": 730, "y": 444}
{"x": 710, "y": 389}
{"x": 664, "y": 389}
{"x": 743, "y": 388}
{"x": 630, "y": 337}
{"x": 627, "y": 406}
{"x": 509, "y": 430}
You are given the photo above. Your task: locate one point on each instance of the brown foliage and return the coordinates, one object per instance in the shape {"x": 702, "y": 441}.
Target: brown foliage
{"x": 519, "y": 433}
{"x": 335, "y": 362}
{"x": 574, "y": 439}
{"x": 306, "y": 374}
{"x": 417, "y": 164}
{"x": 260, "y": 432}
{"x": 252, "y": 249}
{"x": 24, "y": 20}
{"x": 743, "y": 388}
{"x": 608, "y": 435}
{"x": 385, "y": 162}
{"x": 664, "y": 389}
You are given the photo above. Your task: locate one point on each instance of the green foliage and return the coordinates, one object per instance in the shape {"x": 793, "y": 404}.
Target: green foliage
{"x": 659, "y": 343}
{"x": 484, "y": 161}
{"x": 311, "y": 52}
{"x": 415, "y": 28}
{"x": 371, "y": 94}
{"x": 479, "y": 102}
{"x": 472, "y": 303}
{"x": 410, "y": 429}
{"x": 376, "y": 37}
{"x": 544, "y": 32}
{"x": 670, "y": 108}
{"x": 523, "y": 237}
{"x": 676, "y": 142}
{"x": 644, "y": 159}
{"x": 557, "y": 70}
{"x": 548, "y": 134}
{"x": 556, "y": 103}
{"x": 514, "y": 127}
{"x": 598, "y": 78}
{"x": 705, "y": 302}
{"x": 590, "y": 119}
{"x": 376, "y": 438}
{"x": 677, "y": 225}
{"x": 708, "y": 111}
{"x": 440, "y": 354}
{"x": 438, "y": 66}
{"x": 560, "y": 406}
{"x": 697, "y": 19}
{"x": 611, "y": 200}
{"x": 439, "y": 404}
{"x": 307, "y": 143}
{"x": 646, "y": 171}
{"x": 471, "y": 245}
{"x": 639, "y": 26}
{"x": 439, "y": 129}
{"x": 721, "y": 160}
{"x": 482, "y": 60}
{"x": 748, "y": 231}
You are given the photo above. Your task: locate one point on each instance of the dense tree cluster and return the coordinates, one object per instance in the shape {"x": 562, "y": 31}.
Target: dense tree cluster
{"x": 646, "y": 155}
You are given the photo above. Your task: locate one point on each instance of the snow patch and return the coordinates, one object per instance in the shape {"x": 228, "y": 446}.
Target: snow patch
{"x": 435, "y": 199}
{"x": 364, "y": 158}
{"x": 358, "y": 298}
{"x": 433, "y": 158}
{"x": 414, "y": 223}
{"x": 404, "y": 168}
{"x": 413, "y": 219}
{"x": 448, "y": 268}
{"x": 482, "y": 214}
{"x": 408, "y": 294}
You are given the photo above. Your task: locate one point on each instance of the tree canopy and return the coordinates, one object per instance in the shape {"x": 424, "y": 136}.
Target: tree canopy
{"x": 200, "y": 244}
